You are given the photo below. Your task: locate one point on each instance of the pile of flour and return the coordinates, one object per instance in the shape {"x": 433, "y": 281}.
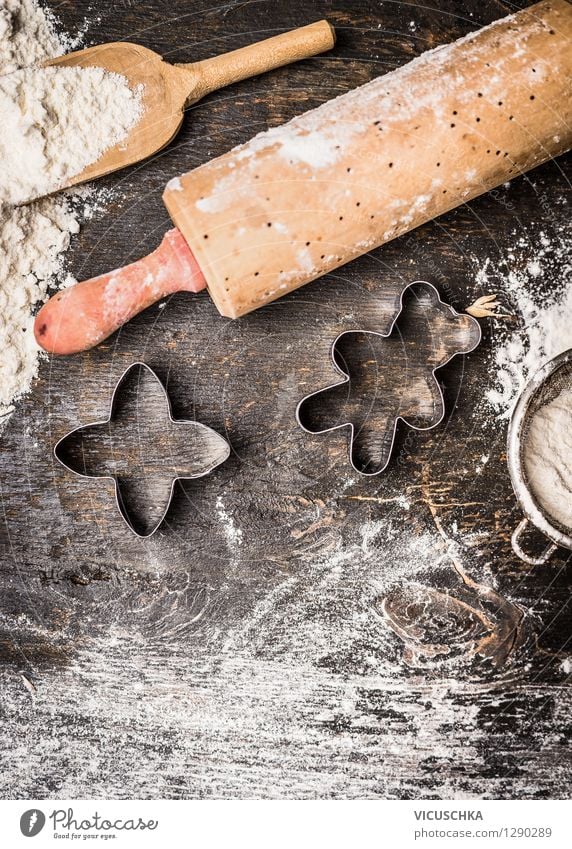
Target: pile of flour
{"x": 548, "y": 457}
{"x": 26, "y": 36}
{"x": 34, "y": 238}
{"x": 57, "y": 121}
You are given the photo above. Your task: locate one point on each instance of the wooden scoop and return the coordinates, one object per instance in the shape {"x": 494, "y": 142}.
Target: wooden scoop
{"x": 169, "y": 89}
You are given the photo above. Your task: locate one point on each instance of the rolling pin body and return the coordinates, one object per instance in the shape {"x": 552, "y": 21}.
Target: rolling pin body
{"x": 302, "y": 199}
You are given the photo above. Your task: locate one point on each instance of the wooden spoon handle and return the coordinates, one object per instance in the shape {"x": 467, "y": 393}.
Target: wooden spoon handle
{"x": 257, "y": 58}
{"x": 80, "y": 317}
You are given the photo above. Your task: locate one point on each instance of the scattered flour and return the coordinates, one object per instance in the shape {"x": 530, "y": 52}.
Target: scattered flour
{"x": 548, "y": 457}
{"x": 329, "y": 609}
{"x": 34, "y": 238}
{"x": 540, "y": 290}
{"x": 232, "y": 532}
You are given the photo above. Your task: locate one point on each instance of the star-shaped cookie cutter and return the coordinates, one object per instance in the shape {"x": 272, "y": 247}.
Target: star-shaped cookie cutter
{"x": 214, "y": 459}
{"x": 469, "y": 336}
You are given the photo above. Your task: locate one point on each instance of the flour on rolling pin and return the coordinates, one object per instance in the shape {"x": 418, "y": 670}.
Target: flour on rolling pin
{"x": 299, "y": 200}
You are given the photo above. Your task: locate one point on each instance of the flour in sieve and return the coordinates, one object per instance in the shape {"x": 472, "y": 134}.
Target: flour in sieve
{"x": 548, "y": 458}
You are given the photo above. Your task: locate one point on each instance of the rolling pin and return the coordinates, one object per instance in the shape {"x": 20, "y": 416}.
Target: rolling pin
{"x": 301, "y": 199}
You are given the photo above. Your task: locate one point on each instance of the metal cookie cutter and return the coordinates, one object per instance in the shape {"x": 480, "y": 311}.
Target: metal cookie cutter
{"x": 390, "y": 377}
{"x": 188, "y": 449}
{"x": 552, "y": 379}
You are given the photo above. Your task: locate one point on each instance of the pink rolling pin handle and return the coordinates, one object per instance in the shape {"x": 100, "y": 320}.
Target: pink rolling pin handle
{"x": 80, "y": 317}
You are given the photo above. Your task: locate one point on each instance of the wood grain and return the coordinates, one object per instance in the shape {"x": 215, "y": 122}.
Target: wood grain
{"x": 244, "y": 651}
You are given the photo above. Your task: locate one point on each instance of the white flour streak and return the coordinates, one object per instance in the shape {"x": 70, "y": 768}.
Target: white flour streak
{"x": 335, "y": 588}
{"x": 232, "y": 533}
{"x": 540, "y": 292}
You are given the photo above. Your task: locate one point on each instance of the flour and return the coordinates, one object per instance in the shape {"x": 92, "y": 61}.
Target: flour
{"x": 27, "y": 35}
{"x": 540, "y": 292}
{"x": 548, "y": 458}
{"x": 232, "y": 533}
{"x": 34, "y": 238}
{"x": 57, "y": 121}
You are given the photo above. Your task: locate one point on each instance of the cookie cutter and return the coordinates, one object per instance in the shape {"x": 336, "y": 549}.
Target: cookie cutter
{"x": 202, "y": 469}
{"x": 469, "y": 337}
{"x": 545, "y": 385}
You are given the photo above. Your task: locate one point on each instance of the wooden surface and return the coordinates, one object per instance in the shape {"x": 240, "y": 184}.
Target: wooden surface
{"x": 294, "y": 631}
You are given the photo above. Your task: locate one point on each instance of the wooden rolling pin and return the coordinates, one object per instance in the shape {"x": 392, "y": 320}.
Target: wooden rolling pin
{"x": 302, "y": 199}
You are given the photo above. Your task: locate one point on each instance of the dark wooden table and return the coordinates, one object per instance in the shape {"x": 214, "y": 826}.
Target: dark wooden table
{"x": 294, "y": 630}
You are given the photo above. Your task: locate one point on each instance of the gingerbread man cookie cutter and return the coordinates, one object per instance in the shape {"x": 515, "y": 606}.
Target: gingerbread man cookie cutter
{"x": 414, "y": 398}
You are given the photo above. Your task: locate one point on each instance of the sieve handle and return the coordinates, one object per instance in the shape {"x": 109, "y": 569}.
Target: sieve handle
{"x": 519, "y": 551}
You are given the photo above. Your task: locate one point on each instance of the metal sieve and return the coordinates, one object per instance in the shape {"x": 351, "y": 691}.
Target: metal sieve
{"x": 552, "y": 379}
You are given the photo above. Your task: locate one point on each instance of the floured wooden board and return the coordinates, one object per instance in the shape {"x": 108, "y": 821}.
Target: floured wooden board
{"x": 279, "y": 639}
